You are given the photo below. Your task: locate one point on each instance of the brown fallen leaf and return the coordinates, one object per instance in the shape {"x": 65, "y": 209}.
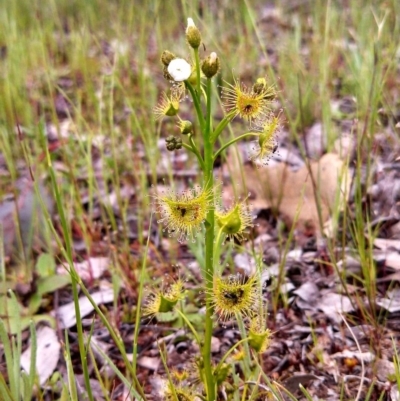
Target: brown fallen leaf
{"x": 292, "y": 192}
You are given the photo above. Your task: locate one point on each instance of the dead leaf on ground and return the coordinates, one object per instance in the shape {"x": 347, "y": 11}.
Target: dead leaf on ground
{"x": 47, "y": 354}
{"x": 387, "y": 244}
{"x": 66, "y": 314}
{"x": 292, "y": 192}
{"x": 90, "y": 269}
{"x": 391, "y": 302}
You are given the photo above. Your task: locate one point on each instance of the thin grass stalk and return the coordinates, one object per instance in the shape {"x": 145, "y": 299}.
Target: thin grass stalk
{"x": 32, "y": 368}
{"x": 208, "y": 273}
{"x": 74, "y": 281}
{"x": 139, "y": 302}
{"x": 72, "y": 390}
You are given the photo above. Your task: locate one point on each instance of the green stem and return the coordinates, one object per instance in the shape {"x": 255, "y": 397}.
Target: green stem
{"x": 139, "y": 303}
{"x": 187, "y": 321}
{"x": 232, "y": 141}
{"x": 209, "y": 262}
{"x": 196, "y": 56}
{"x": 246, "y": 361}
{"x": 193, "y": 148}
{"x": 196, "y": 102}
{"x": 222, "y": 124}
{"x": 217, "y": 248}
{"x": 234, "y": 346}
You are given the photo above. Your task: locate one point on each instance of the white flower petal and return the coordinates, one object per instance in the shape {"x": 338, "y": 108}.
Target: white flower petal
{"x": 179, "y": 69}
{"x": 190, "y": 22}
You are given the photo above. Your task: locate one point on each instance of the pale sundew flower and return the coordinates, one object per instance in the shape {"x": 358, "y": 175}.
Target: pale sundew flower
{"x": 190, "y": 23}
{"x": 179, "y": 69}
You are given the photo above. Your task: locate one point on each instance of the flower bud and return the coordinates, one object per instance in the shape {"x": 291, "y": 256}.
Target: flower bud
{"x": 210, "y": 65}
{"x": 164, "y": 301}
{"x": 261, "y": 88}
{"x": 259, "y": 85}
{"x": 167, "y": 303}
{"x": 222, "y": 373}
{"x": 193, "y": 78}
{"x": 193, "y": 35}
{"x": 234, "y": 222}
{"x": 173, "y": 143}
{"x": 259, "y": 338}
{"x": 167, "y": 57}
{"x": 230, "y": 223}
{"x": 186, "y": 127}
{"x": 178, "y": 143}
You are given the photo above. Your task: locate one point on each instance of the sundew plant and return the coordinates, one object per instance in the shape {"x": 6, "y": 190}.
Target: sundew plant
{"x": 195, "y": 211}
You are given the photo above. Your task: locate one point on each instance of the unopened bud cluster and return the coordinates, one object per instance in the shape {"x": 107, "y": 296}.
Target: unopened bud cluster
{"x": 173, "y": 143}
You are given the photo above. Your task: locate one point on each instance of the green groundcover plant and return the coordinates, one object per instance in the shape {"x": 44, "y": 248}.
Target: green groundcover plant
{"x": 196, "y": 211}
